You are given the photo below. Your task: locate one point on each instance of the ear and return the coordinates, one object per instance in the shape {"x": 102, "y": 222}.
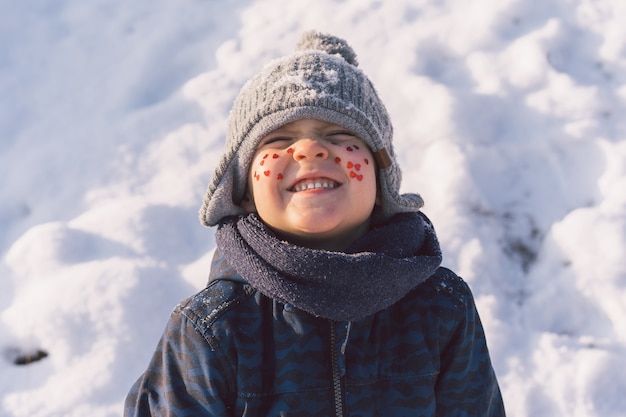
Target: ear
{"x": 379, "y": 191}
{"x": 247, "y": 202}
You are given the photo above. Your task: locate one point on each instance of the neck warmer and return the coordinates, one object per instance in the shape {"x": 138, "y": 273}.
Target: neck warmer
{"x": 376, "y": 271}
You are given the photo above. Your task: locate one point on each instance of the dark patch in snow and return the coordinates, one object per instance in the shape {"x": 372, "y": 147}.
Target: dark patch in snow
{"x": 520, "y": 251}
{"x": 25, "y": 357}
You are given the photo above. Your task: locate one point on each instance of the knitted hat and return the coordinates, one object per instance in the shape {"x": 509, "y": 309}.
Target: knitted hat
{"x": 320, "y": 80}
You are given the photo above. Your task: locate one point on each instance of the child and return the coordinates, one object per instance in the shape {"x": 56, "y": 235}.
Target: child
{"x": 325, "y": 295}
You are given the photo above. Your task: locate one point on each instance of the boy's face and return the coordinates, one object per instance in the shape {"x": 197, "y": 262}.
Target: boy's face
{"x": 314, "y": 184}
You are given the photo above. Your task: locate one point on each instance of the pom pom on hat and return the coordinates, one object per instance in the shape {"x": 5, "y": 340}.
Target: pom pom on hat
{"x": 320, "y": 80}
{"x": 328, "y": 43}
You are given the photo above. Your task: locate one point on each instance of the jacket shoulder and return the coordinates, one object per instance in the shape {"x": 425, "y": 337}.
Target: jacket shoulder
{"x": 444, "y": 302}
{"x": 449, "y": 282}
{"x": 445, "y": 285}
{"x": 208, "y": 306}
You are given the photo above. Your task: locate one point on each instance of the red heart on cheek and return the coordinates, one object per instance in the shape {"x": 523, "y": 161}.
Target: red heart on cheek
{"x": 357, "y": 167}
{"x": 275, "y": 156}
{"x": 266, "y": 173}
{"x": 350, "y": 165}
{"x": 279, "y": 177}
{"x": 353, "y": 174}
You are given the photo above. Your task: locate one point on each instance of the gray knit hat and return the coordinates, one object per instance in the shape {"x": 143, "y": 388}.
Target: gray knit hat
{"x": 320, "y": 80}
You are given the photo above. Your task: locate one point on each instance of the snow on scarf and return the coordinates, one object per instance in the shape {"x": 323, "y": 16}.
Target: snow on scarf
{"x": 376, "y": 271}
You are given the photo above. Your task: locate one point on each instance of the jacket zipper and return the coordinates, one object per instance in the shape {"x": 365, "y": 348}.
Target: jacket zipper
{"x": 337, "y": 388}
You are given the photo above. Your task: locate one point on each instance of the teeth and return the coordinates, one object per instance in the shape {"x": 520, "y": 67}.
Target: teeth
{"x": 312, "y": 185}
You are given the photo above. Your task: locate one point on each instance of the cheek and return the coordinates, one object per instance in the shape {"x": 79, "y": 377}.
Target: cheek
{"x": 355, "y": 162}
{"x": 266, "y": 167}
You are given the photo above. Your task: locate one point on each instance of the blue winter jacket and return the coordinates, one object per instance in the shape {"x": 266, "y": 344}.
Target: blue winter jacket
{"x": 231, "y": 351}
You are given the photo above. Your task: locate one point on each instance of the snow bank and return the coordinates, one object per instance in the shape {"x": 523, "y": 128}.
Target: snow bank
{"x": 507, "y": 120}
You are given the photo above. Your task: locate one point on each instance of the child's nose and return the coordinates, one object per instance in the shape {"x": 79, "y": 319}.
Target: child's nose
{"x": 309, "y": 149}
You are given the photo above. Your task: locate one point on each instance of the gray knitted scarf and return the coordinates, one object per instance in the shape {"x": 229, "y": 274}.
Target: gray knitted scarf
{"x": 378, "y": 269}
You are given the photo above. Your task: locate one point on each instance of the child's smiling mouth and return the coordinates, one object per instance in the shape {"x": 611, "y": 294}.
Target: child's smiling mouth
{"x": 314, "y": 184}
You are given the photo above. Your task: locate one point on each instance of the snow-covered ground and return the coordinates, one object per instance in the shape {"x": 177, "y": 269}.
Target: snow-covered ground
{"x": 509, "y": 120}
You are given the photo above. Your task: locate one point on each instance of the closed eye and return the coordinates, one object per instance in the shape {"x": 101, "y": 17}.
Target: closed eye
{"x": 341, "y": 133}
{"x": 340, "y": 137}
{"x": 277, "y": 141}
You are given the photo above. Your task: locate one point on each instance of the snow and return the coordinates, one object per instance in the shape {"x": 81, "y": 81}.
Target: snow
{"x": 508, "y": 120}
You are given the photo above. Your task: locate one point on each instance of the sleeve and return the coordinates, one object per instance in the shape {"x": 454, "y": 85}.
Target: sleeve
{"x": 184, "y": 377}
{"x": 467, "y": 384}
